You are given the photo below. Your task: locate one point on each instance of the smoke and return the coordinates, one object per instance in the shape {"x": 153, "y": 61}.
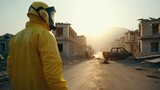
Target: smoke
{"x": 101, "y": 42}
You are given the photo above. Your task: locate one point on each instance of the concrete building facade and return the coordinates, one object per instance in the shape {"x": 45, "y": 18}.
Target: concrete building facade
{"x": 81, "y": 46}
{"x": 149, "y": 36}
{"x": 66, "y": 39}
{"x": 69, "y": 43}
{"x": 130, "y": 41}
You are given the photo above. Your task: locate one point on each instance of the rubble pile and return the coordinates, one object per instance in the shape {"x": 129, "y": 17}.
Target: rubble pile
{"x": 4, "y": 79}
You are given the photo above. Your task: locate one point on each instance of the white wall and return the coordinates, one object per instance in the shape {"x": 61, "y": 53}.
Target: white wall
{"x": 146, "y": 29}
{"x": 146, "y": 47}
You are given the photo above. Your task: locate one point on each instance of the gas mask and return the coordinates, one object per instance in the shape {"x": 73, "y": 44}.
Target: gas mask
{"x": 51, "y": 15}
{"x": 51, "y": 12}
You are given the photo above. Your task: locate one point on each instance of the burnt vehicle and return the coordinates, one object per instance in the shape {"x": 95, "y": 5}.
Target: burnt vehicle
{"x": 116, "y": 53}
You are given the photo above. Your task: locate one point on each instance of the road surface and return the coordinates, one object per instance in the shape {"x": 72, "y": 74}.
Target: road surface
{"x": 93, "y": 75}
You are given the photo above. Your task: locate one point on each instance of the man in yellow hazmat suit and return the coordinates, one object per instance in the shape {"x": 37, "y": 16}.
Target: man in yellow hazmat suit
{"x": 34, "y": 61}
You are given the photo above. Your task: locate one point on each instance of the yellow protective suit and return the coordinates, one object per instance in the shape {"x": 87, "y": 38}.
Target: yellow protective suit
{"x": 34, "y": 61}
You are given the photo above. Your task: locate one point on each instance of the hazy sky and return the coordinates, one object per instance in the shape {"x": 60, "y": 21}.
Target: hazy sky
{"x": 91, "y": 18}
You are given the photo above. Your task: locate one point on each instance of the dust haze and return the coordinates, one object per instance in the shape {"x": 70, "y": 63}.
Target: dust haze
{"x": 102, "y": 41}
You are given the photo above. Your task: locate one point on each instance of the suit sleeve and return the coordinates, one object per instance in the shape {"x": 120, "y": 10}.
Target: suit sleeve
{"x": 52, "y": 64}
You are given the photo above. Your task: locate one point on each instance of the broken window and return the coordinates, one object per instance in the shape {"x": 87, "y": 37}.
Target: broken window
{"x": 71, "y": 33}
{"x": 6, "y": 37}
{"x": 60, "y": 47}
{"x": 71, "y": 49}
{"x": 2, "y": 47}
{"x": 59, "y": 32}
{"x": 139, "y": 47}
{"x": 154, "y": 46}
{"x": 158, "y": 28}
{"x": 132, "y": 47}
{"x": 139, "y": 32}
{"x": 154, "y": 29}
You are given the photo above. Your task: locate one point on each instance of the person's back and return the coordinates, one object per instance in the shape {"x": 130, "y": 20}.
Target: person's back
{"x": 34, "y": 62}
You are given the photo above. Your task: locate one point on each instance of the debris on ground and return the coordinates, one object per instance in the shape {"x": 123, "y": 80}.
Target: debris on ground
{"x": 148, "y": 57}
{"x": 4, "y": 79}
{"x": 153, "y": 60}
{"x": 139, "y": 68}
{"x": 153, "y": 76}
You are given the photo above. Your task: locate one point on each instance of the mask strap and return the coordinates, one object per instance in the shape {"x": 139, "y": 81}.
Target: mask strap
{"x": 37, "y": 10}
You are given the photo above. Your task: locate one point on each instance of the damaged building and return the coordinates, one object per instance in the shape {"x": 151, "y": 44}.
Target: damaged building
{"x": 130, "y": 41}
{"x": 66, "y": 39}
{"x": 69, "y": 43}
{"x": 149, "y": 37}
{"x": 144, "y": 41}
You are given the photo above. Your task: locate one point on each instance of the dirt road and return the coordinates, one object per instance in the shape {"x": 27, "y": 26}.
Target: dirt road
{"x": 93, "y": 75}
